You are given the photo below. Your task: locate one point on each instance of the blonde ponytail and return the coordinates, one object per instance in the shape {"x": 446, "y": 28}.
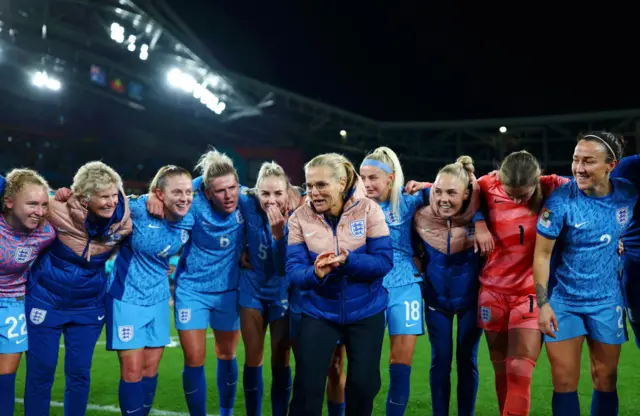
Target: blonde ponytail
{"x": 388, "y": 157}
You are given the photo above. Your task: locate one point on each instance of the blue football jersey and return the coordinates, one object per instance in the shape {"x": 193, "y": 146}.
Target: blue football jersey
{"x": 587, "y": 229}
{"x": 267, "y": 256}
{"x": 140, "y": 273}
{"x": 210, "y": 261}
{"x": 629, "y": 169}
{"x": 404, "y": 271}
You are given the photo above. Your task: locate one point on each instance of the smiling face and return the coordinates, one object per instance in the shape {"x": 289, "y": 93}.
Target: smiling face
{"x": 103, "y": 203}
{"x": 324, "y": 191}
{"x": 589, "y": 167}
{"x": 176, "y": 195}
{"x": 28, "y": 207}
{"x": 449, "y": 193}
{"x": 272, "y": 191}
{"x": 223, "y": 192}
{"x": 377, "y": 183}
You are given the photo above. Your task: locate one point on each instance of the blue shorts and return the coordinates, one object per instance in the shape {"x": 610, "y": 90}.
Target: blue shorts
{"x": 405, "y": 312}
{"x": 195, "y": 310}
{"x": 604, "y": 323}
{"x": 130, "y": 327}
{"x": 13, "y": 326}
{"x": 271, "y": 310}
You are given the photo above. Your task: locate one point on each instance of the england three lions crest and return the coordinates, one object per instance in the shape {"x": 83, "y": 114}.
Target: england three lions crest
{"x": 125, "y": 333}
{"x": 622, "y": 215}
{"x": 358, "y": 228}
{"x": 37, "y": 316}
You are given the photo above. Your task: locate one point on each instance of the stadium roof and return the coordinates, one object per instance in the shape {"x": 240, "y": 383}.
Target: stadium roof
{"x": 140, "y": 54}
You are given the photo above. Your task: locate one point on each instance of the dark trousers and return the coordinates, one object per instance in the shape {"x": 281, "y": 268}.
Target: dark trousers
{"x": 81, "y": 330}
{"x": 440, "y": 327}
{"x": 316, "y": 343}
{"x": 631, "y": 291}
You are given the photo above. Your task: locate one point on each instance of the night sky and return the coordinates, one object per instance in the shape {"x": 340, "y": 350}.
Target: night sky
{"x": 423, "y": 60}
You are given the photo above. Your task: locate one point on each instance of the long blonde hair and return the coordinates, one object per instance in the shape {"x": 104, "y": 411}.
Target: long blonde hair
{"x": 462, "y": 169}
{"x": 388, "y": 157}
{"x": 18, "y": 179}
{"x": 160, "y": 180}
{"x": 340, "y": 167}
{"x": 271, "y": 170}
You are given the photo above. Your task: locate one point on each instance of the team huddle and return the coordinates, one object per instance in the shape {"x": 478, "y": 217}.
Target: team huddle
{"x": 327, "y": 268}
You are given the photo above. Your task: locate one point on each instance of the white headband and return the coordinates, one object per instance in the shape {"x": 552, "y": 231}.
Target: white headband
{"x": 613, "y": 154}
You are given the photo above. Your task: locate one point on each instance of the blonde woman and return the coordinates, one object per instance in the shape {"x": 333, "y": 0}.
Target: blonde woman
{"x": 339, "y": 250}
{"x": 67, "y": 285}
{"x": 383, "y": 178}
{"x": 24, "y": 234}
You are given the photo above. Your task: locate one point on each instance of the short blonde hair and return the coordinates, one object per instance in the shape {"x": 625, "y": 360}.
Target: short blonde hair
{"x": 18, "y": 179}
{"x": 215, "y": 164}
{"x": 160, "y": 180}
{"x": 93, "y": 177}
{"x": 340, "y": 167}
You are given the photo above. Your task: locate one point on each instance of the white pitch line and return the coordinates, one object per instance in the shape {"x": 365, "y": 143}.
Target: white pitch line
{"x": 114, "y": 409}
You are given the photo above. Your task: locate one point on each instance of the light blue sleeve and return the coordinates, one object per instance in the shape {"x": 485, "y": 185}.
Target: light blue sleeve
{"x": 553, "y": 214}
{"x": 138, "y": 206}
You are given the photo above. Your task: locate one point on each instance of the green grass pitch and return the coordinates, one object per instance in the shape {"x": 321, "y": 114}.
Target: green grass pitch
{"x": 170, "y": 398}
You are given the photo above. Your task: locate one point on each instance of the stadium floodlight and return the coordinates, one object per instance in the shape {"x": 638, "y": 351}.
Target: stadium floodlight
{"x": 42, "y": 80}
{"x": 144, "y": 52}
{"x": 117, "y": 32}
{"x": 502, "y": 129}
{"x": 343, "y": 133}
{"x": 180, "y": 80}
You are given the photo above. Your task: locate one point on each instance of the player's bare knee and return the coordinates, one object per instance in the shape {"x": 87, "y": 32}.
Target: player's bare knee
{"x": 604, "y": 377}
{"x": 194, "y": 357}
{"x": 131, "y": 373}
{"x": 565, "y": 383}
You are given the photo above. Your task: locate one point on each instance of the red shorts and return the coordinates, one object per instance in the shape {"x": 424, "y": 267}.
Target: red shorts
{"x": 500, "y": 313}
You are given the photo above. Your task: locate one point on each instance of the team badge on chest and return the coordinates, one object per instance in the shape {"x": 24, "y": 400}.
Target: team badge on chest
{"x": 357, "y": 228}
{"x": 392, "y": 217}
{"x": 23, "y": 255}
{"x": 184, "y": 236}
{"x": 622, "y": 215}
{"x": 239, "y": 217}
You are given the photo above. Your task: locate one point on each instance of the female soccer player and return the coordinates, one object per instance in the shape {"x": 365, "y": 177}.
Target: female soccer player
{"x": 206, "y": 282}
{"x": 629, "y": 168}
{"x": 507, "y": 311}
{"x": 339, "y": 251}
{"x": 451, "y": 283}
{"x": 264, "y": 291}
{"x": 138, "y": 313}
{"x": 382, "y": 177}
{"x": 587, "y": 216}
{"x": 24, "y": 234}
{"x": 67, "y": 285}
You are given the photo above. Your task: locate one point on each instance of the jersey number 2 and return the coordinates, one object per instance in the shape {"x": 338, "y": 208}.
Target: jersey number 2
{"x": 14, "y": 323}
{"x": 620, "y": 311}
